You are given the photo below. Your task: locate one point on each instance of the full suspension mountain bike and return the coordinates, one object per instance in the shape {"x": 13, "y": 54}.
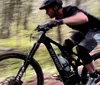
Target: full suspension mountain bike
{"x": 23, "y": 63}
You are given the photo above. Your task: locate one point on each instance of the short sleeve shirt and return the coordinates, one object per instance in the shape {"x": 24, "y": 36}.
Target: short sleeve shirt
{"x": 92, "y": 23}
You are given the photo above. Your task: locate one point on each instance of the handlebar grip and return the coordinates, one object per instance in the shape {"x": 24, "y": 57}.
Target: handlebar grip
{"x": 44, "y": 27}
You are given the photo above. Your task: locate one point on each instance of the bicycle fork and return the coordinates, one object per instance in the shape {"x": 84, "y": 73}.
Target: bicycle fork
{"x": 26, "y": 63}
{"x": 21, "y": 72}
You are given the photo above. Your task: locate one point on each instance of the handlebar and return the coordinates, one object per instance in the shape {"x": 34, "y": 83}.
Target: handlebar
{"x": 43, "y": 27}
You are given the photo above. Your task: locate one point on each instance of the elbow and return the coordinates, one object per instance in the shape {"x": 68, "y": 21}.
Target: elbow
{"x": 83, "y": 17}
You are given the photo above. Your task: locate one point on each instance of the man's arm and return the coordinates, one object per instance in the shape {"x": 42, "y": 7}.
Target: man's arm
{"x": 77, "y": 19}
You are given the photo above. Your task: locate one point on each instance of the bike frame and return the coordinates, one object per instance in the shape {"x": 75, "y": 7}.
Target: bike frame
{"x": 47, "y": 42}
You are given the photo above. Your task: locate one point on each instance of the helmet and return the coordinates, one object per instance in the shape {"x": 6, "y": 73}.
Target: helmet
{"x": 51, "y": 3}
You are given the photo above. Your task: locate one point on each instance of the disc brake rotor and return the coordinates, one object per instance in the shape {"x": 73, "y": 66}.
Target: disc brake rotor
{"x": 11, "y": 81}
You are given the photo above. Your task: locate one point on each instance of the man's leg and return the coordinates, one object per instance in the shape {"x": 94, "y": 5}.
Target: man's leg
{"x": 87, "y": 60}
{"x": 68, "y": 45}
{"x": 91, "y": 67}
{"x": 83, "y": 54}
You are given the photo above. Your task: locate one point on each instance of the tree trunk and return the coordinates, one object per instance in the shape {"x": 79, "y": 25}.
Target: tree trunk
{"x": 28, "y": 11}
{"x": 8, "y": 10}
{"x": 59, "y": 34}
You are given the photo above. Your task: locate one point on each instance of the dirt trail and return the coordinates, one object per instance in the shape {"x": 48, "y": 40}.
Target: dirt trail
{"x": 47, "y": 81}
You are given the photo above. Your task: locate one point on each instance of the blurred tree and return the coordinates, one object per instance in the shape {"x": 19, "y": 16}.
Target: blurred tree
{"x": 78, "y": 2}
{"x": 59, "y": 36}
{"x": 18, "y": 11}
{"x": 28, "y": 11}
{"x": 18, "y": 19}
{"x": 8, "y": 9}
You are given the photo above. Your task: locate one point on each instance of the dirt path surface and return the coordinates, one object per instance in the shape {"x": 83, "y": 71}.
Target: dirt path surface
{"x": 47, "y": 81}
{"x": 52, "y": 80}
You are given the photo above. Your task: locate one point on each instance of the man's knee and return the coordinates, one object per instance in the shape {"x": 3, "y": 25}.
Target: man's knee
{"x": 83, "y": 54}
{"x": 68, "y": 45}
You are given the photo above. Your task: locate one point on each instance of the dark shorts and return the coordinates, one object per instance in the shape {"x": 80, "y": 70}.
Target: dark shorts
{"x": 90, "y": 40}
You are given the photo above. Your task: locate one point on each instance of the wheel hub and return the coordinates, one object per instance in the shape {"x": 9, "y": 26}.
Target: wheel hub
{"x": 11, "y": 81}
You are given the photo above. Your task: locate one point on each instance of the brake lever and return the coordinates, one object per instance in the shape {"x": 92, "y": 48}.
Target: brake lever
{"x": 44, "y": 27}
{"x": 36, "y": 29}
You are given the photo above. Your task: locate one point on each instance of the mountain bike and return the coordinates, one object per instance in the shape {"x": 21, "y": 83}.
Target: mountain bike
{"x": 23, "y": 62}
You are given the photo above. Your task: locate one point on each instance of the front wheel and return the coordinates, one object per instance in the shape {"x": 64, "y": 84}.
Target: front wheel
{"x": 10, "y": 64}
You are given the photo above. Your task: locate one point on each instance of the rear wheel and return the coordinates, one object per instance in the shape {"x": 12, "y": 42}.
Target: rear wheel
{"x": 10, "y": 64}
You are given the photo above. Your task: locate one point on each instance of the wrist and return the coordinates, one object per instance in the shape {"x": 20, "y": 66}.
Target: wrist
{"x": 60, "y": 22}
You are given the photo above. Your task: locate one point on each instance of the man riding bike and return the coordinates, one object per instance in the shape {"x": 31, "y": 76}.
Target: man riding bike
{"x": 77, "y": 19}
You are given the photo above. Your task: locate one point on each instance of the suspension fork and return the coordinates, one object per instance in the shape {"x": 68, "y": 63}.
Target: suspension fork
{"x": 21, "y": 71}
{"x": 27, "y": 62}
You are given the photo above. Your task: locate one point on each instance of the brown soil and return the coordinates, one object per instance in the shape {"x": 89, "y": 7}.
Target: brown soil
{"x": 47, "y": 81}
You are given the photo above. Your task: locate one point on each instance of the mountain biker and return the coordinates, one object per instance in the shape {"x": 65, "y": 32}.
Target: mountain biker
{"x": 77, "y": 19}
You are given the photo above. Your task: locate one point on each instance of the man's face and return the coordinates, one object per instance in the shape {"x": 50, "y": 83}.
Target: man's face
{"x": 50, "y": 12}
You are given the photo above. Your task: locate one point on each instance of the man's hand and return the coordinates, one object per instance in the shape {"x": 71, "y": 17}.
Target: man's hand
{"x": 53, "y": 23}
{"x": 49, "y": 25}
